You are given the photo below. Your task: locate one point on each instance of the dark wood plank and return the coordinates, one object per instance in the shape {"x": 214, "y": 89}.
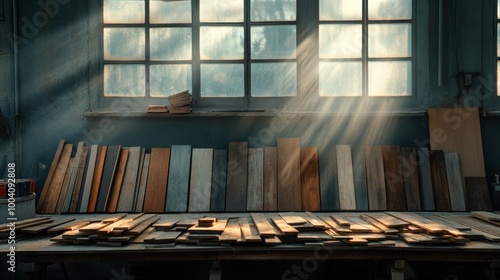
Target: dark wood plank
{"x": 328, "y": 181}
{"x": 255, "y": 183}
{"x": 237, "y": 172}
{"x": 77, "y": 192}
{"x": 345, "y": 177}
{"x": 108, "y": 174}
{"x": 289, "y": 189}
{"x": 375, "y": 178}
{"x": 128, "y": 188}
{"x": 394, "y": 183}
{"x": 50, "y": 177}
{"x": 72, "y": 178}
{"x": 410, "y": 176}
{"x": 141, "y": 191}
{"x": 201, "y": 180}
{"x": 54, "y": 190}
{"x": 64, "y": 188}
{"x": 156, "y": 189}
{"x": 478, "y": 195}
{"x": 270, "y": 179}
{"x": 440, "y": 181}
{"x": 219, "y": 179}
{"x": 455, "y": 186}
{"x": 425, "y": 180}
{"x": 96, "y": 181}
{"x": 178, "y": 181}
{"x": 83, "y": 202}
{"x": 359, "y": 170}
{"x": 309, "y": 176}
{"x": 116, "y": 184}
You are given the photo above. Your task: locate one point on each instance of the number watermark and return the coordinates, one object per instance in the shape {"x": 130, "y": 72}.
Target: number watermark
{"x": 11, "y": 208}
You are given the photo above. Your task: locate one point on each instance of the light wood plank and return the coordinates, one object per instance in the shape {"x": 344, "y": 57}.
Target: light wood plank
{"x": 141, "y": 191}
{"x": 455, "y": 187}
{"x": 263, "y": 226}
{"x": 255, "y": 183}
{"x": 128, "y": 188}
{"x": 178, "y": 181}
{"x": 440, "y": 181}
{"x": 50, "y": 176}
{"x": 108, "y": 173}
{"x": 270, "y": 179}
{"x": 54, "y": 190}
{"x": 116, "y": 184}
{"x": 72, "y": 179}
{"x": 77, "y": 192}
{"x": 309, "y": 176}
{"x": 96, "y": 181}
{"x": 156, "y": 189}
{"x": 345, "y": 176}
{"x": 478, "y": 194}
{"x": 328, "y": 181}
{"x": 394, "y": 183}
{"x": 410, "y": 177}
{"x": 219, "y": 180}
{"x": 249, "y": 232}
{"x": 359, "y": 172}
{"x": 289, "y": 189}
{"x": 425, "y": 180}
{"x": 232, "y": 232}
{"x": 201, "y": 180}
{"x": 375, "y": 178}
{"x": 89, "y": 178}
{"x": 237, "y": 172}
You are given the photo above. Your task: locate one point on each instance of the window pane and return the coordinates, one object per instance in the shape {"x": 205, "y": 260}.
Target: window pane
{"x": 340, "y": 41}
{"x": 124, "y": 43}
{"x": 221, "y": 10}
{"x": 389, "y": 40}
{"x": 498, "y": 39}
{"x": 166, "y": 80}
{"x": 170, "y": 43}
{"x": 274, "y": 79}
{"x": 273, "y": 41}
{"x": 124, "y": 81}
{"x": 163, "y": 11}
{"x": 389, "y": 9}
{"x": 272, "y": 10}
{"x": 340, "y": 79}
{"x": 123, "y": 11}
{"x": 222, "y": 80}
{"x": 340, "y": 9}
{"x": 221, "y": 42}
{"x": 389, "y": 78}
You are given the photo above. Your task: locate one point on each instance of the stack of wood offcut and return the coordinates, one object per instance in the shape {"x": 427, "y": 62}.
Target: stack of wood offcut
{"x": 180, "y": 103}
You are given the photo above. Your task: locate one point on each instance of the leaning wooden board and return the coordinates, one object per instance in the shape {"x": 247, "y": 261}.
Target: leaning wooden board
{"x": 156, "y": 188}
{"x": 394, "y": 183}
{"x": 54, "y": 190}
{"x": 359, "y": 170}
{"x": 345, "y": 176}
{"x": 440, "y": 181}
{"x": 178, "y": 180}
{"x": 375, "y": 178}
{"x": 116, "y": 184}
{"x": 96, "y": 181}
{"x": 50, "y": 176}
{"x": 328, "y": 180}
{"x": 128, "y": 188}
{"x": 77, "y": 192}
{"x": 478, "y": 194}
{"x": 270, "y": 179}
{"x": 237, "y": 172}
{"x": 410, "y": 177}
{"x": 309, "y": 176}
{"x": 289, "y": 190}
{"x": 219, "y": 179}
{"x": 83, "y": 202}
{"x": 455, "y": 186}
{"x": 108, "y": 174}
{"x": 255, "y": 183}
{"x": 425, "y": 179}
{"x": 201, "y": 180}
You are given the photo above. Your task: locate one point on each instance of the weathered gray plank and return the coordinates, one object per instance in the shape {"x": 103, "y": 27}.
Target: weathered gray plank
{"x": 237, "y": 171}
{"x": 141, "y": 192}
{"x": 359, "y": 172}
{"x": 425, "y": 179}
{"x": 255, "y": 194}
{"x": 128, "y": 190}
{"x": 328, "y": 181}
{"x": 219, "y": 179}
{"x": 410, "y": 176}
{"x": 270, "y": 179}
{"x": 375, "y": 178}
{"x": 345, "y": 176}
{"x": 178, "y": 180}
{"x": 84, "y": 200}
{"x": 455, "y": 186}
{"x": 201, "y": 180}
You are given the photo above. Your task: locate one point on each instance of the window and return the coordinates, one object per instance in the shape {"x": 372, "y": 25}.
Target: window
{"x": 248, "y": 54}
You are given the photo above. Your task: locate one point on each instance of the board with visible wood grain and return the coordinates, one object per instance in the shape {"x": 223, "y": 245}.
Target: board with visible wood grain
{"x": 237, "y": 172}
{"x": 50, "y": 203}
{"x": 96, "y": 181}
{"x": 345, "y": 176}
{"x": 128, "y": 190}
{"x": 79, "y": 181}
{"x": 64, "y": 188}
{"x": 478, "y": 194}
{"x": 219, "y": 180}
{"x": 143, "y": 180}
{"x": 375, "y": 178}
{"x": 309, "y": 176}
{"x": 156, "y": 188}
{"x": 359, "y": 173}
{"x": 394, "y": 183}
{"x": 455, "y": 187}
{"x": 440, "y": 181}
{"x": 410, "y": 177}
{"x": 201, "y": 180}
{"x": 289, "y": 189}
{"x": 425, "y": 180}
{"x": 72, "y": 178}
{"x": 255, "y": 183}
{"x": 108, "y": 173}
{"x": 328, "y": 180}
{"x": 50, "y": 177}
{"x": 270, "y": 179}
{"x": 178, "y": 181}
{"x": 83, "y": 202}
{"x": 116, "y": 184}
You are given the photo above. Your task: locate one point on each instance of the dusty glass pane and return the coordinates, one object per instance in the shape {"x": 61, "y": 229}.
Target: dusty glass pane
{"x": 389, "y": 9}
{"x": 124, "y": 43}
{"x": 272, "y": 10}
{"x": 389, "y": 78}
{"x": 276, "y": 41}
{"x": 221, "y": 42}
{"x": 222, "y": 80}
{"x": 340, "y": 40}
{"x": 124, "y": 81}
{"x": 340, "y": 79}
{"x": 163, "y": 11}
{"x": 166, "y": 80}
{"x": 340, "y": 9}
{"x": 274, "y": 79}
{"x": 389, "y": 40}
{"x": 221, "y": 10}
{"x": 123, "y": 11}
{"x": 498, "y": 9}
{"x": 171, "y": 43}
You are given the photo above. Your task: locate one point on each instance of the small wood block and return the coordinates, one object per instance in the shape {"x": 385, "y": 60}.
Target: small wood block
{"x": 478, "y": 194}
{"x": 410, "y": 176}
{"x": 89, "y": 178}
{"x": 96, "y": 181}
{"x": 375, "y": 178}
{"x": 440, "y": 181}
{"x": 218, "y": 227}
{"x": 289, "y": 189}
{"x": 201, "y": 180}
{"x": 108, "y": 174}
{"x": 345, "y": 175}
{"x": 50, "y": 177}
{"x": 255, "y": 183}
{"x": 394, "y": 183}
{"x": 116, "y": 184}
{"x": 328, "y": 181}
{"x": 273, "y": 240}
{"x": 309, "y": 176}
{"x": 270, "y": 179}
{"x": 455, "y": 186}
{"x": 237, "y": 170}
{"x": 141, "y": 191}
{"x": 219, "y": 179}
{"x": 425, "y": 179}
{"x": 128, "y": 188}
{"x": 178, "y": 181}
{"x": 156, "y": 189}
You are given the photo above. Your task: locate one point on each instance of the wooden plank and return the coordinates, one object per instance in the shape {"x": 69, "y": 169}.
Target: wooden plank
{"x": 394, "y": 183}
{"x": 83, "y": 203}
{"x": 255, "y": 183}
{"x": 141, "y": 191}
{"x": 178, "y": 180}
{"x": 292, "y": 218}
{"x": 108, "y": 173}
{"x": 289, "y": 189}
{"x": 455, "y": 187}
{"x": 379, "y": 225}
{"x": 116, "y": 184}
{"x": 486, "y": 216}
{"x": 77, "y": 224}
{"x": 328, "y": 181}
{"x": 359, "y": 172}
{"x": 410, "y": 177}
{"x": 162, "y": 237}
{"x": 128, "y": 188}
{"x": 79, "y": 181}
{"x": 201, "y": 180}
{"x": 96, "y": 181}
{"x": 156, "y": 189}
{"x": 232, "y": 232}
{"x": 440, "y": 181}
{"x": 64, "y": 188}
{"x": 263, "y": 226}
{"x": 72, "y": 179}
{"x": 237, "y": 172}
{"x": 249, "y": 232}
{"x": 375, "y": 178}
{"x": 478, "y": 194}
{"x": 388, "y": 220}
{"x": 44, "y": 227}
{"x": 132, "y": 223}
{"x": 309, "y": 176}
{"x": 417, "y": 220}
{"x": 491, "y": 232}
{"x": 345, "y": 176}
{"x": 270, "y": 179}
{"x": 283, "y": 226}
{"x": 425, "y": 180}
{"x": 50, "y": 176}
{"x": 55, "y": 186}
{"x": 219, "y": 179}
